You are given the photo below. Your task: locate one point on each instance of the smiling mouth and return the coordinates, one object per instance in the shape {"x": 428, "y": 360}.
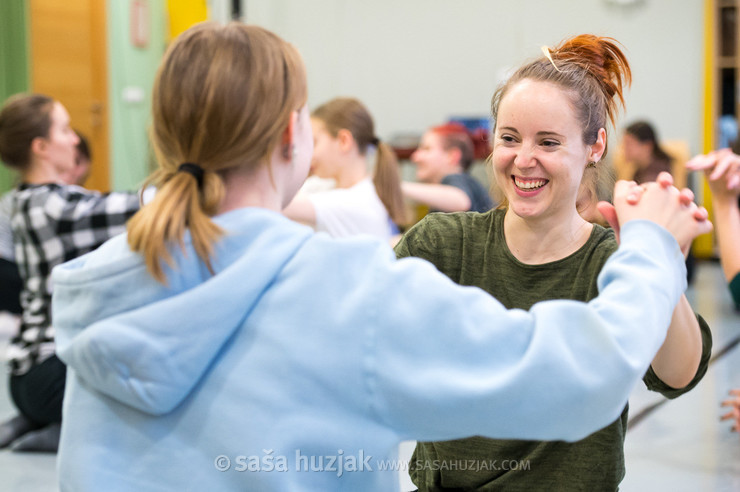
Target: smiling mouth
{"x": 529, "y": 184}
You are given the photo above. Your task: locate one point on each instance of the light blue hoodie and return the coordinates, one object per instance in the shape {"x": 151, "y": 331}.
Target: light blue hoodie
{"x": 305, "y": 353}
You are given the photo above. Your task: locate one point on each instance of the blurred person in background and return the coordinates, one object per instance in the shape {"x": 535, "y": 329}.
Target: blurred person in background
{"x": 366, "y": 198}
{"x": 442, "y": 161}
{"x": 52, "y": 222}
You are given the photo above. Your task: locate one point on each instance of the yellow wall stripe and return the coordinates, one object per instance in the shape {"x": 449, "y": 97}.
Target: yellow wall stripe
{"x": 704, "y": 244}
{"x": 185, "y": 13}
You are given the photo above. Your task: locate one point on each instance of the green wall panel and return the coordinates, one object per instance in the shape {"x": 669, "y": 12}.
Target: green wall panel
{"x": 13, "y": 62}
{"x": 131, "y": 72}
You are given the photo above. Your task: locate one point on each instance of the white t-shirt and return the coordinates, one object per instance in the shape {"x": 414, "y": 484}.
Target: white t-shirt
{"x": 343, "y": 212}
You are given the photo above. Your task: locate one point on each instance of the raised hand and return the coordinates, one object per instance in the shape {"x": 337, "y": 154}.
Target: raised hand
{"x": 722, "y": 169}
{"x": 734, "y": 412}
{"x": 658, "y": 202}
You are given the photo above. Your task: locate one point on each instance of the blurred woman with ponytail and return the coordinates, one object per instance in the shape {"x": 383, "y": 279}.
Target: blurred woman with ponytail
{"x": 549, "y": 141}
{"x": 367, "y": 197}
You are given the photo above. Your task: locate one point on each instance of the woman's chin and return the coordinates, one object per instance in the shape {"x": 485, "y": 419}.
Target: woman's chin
{"x": 526, "y": 211}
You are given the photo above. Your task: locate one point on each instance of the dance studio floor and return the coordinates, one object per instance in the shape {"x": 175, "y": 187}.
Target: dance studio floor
{"x": 677, "y": 445}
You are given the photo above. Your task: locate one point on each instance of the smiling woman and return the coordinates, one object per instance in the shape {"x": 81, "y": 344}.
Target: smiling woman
{"x": 539, "y": 156}
{"x": 550, "y": 134}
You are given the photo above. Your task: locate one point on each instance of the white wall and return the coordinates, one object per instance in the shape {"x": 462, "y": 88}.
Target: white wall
{"x": 417, "y": 62}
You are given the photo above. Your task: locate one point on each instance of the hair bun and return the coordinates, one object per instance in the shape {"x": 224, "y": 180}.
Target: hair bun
{"x": 602, "y": 58}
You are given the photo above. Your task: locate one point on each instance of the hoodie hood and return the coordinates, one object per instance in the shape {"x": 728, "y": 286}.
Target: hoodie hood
{"x": 146, "y": 344}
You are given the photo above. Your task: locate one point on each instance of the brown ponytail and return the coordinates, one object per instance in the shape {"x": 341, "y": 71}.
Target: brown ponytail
{"x": 387, "y": 182}
{"x": 350, "y": 114}
{"x": 222, "y": 97}
{"x": 177, "y": 205}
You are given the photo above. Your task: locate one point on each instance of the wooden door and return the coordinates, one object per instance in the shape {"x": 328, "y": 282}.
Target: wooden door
{"x": 69, "y": 63}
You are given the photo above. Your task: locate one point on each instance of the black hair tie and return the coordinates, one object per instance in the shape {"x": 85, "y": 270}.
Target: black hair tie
{"x": 195, "y": 170}
{"x": 375, "y": 141}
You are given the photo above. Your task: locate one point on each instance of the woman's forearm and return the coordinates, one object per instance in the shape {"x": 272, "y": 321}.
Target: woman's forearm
{"x": 438, "y": 196}
{"x": 301, "y": 209}
{"x": 678, "y": 359}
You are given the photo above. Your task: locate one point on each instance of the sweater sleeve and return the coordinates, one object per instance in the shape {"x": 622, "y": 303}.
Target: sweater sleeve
{"x": 87, "y": 219}
{"x": 455, "y": 363}
{"x": 654, "y": 383}
{"x": 735, "y": 290}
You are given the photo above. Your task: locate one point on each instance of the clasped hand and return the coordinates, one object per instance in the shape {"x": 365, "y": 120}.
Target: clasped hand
{"x": 659, "y": 202}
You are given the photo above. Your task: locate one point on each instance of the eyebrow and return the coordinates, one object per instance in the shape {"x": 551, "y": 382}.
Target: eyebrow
{"x": 545, "y": 134}
{"x": 539, "y": 134}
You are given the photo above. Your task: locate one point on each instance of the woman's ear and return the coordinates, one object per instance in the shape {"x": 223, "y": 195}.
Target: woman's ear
{"x": 597, "y": 149}
{"x": 345, "y": 139}
{"x": 286, "y": 142}
{"x": 38, "y": 146}
{"x": 455, "y": 156}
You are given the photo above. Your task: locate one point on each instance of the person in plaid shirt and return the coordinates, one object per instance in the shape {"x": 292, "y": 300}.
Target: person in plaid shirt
{"x": 52, "y": 222}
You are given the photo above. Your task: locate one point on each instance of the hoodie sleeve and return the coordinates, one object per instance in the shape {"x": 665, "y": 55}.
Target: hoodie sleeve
{"x": 453, "y": 362}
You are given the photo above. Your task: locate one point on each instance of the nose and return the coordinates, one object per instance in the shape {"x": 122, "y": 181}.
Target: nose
{"x": 415, "y": 156}
{"x": 525, "y": 157}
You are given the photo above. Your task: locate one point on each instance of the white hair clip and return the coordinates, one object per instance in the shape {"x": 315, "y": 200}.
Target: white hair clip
{"x": 547, "y": 54}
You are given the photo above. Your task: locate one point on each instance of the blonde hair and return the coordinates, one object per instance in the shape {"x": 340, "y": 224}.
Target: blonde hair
{"x": 222, "y": 98}
{"x": 344, "y": 113}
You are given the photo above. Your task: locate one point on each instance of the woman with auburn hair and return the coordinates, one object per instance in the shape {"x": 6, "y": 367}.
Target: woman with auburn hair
{"x": 363, "y": 201}
{"x": 244, "y": 352}
{"x": 443, "y": 160}
{"x": 550, "y": 136}
{"x": 51, "y": 222}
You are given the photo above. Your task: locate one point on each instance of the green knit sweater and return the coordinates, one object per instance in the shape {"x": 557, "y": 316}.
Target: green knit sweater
{"x": 735, "y": 290}
{"x": 470, "y": 248}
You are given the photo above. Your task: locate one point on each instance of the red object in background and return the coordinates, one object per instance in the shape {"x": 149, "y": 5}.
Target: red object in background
{"x": 403, "y": 153}
{"x": 478, "y": 129}
{"x": 139, "y": 23}
{"x": 481, "y": 143}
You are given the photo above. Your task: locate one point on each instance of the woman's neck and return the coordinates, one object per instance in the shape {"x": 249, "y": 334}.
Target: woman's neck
{"x": 41, "y": 173}
{"x": 250, "y": 189}
{"x": 547, "y": 239}
{"x": 352, "y": 171}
